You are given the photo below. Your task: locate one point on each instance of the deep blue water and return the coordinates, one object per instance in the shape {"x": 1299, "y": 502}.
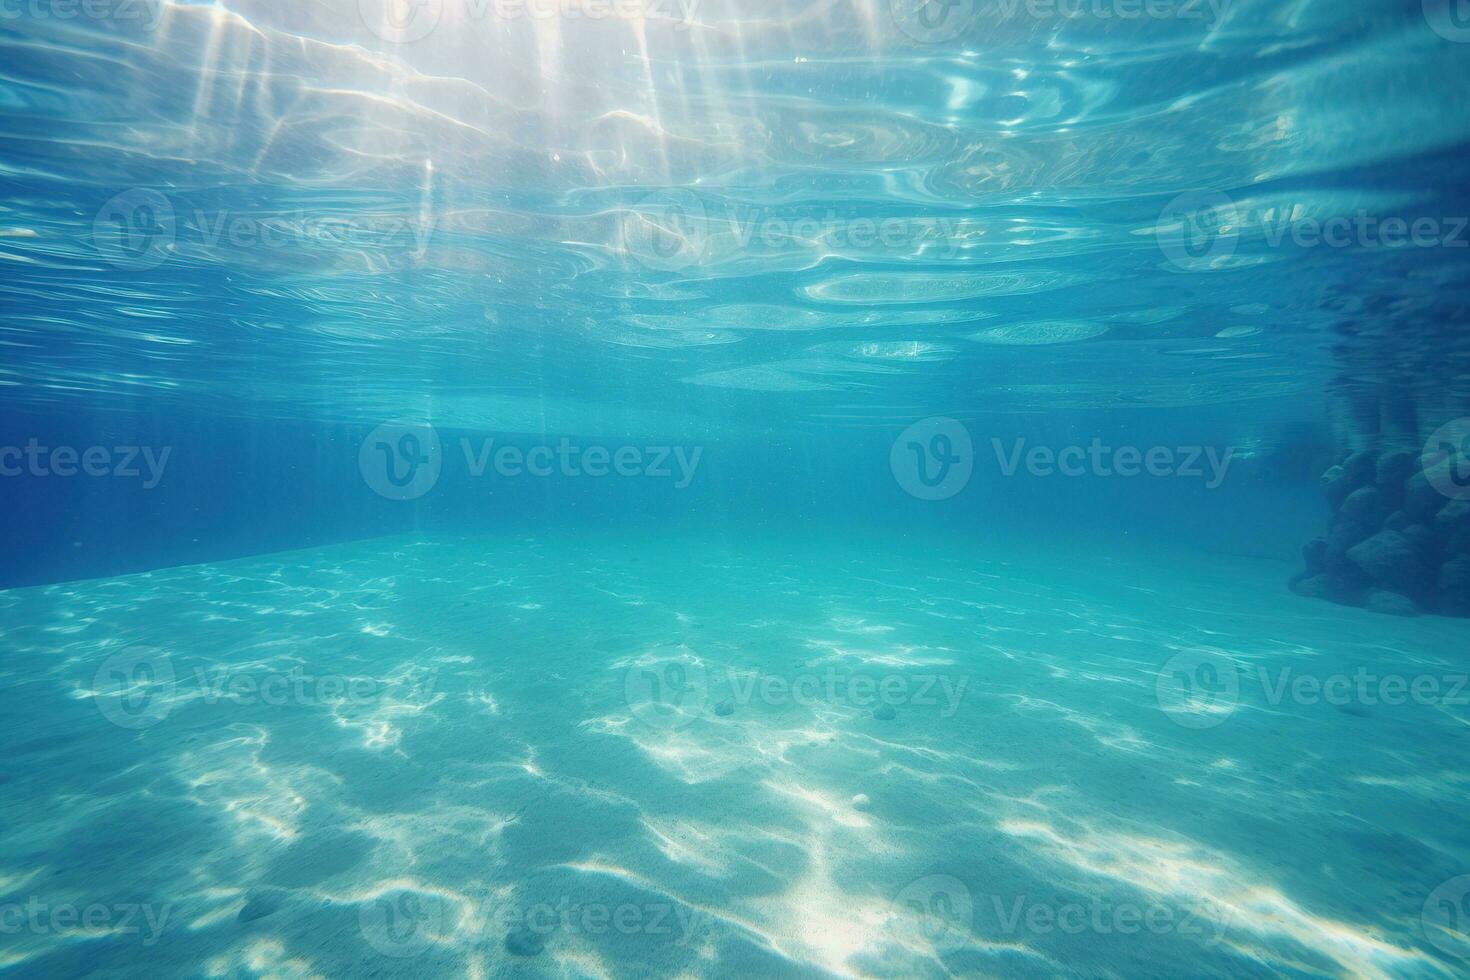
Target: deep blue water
{"x": 534, "y": 396}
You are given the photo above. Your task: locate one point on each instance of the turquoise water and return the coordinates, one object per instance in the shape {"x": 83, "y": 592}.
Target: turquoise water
{"x": 734, "y": 489}
{"x": 491, "y": 767}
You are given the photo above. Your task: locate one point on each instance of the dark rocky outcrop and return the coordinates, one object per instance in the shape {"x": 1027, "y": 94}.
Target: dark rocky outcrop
{"x": 1390, "y": 603}
{"x": 1392, "y": 560}
{"x": 1312, "y": 586}
{"x": 1314, "y": 553}
{"x": 1398, "y": 412}
{"x": 1394, "y": 468}
{"x": 1421, "y": 499}
{"x": 1397, "y": 543}
{"x": 1364, "y": 505}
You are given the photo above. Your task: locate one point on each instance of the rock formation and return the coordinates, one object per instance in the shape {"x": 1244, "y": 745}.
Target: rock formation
{"x": 1397, "y": 542}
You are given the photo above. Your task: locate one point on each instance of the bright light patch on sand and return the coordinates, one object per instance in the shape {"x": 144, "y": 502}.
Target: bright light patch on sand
{"x": 1190, "y": 874}
{"x": 263, "y": 958}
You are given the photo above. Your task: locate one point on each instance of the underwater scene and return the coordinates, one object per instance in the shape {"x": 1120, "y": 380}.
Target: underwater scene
{"x": 735, "y": 488}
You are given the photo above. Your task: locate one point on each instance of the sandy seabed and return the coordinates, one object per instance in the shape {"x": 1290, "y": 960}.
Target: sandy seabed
{"x": 474, "y": 757}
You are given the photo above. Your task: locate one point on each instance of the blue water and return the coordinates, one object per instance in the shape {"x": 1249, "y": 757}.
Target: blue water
{"x": 719, "y": 488}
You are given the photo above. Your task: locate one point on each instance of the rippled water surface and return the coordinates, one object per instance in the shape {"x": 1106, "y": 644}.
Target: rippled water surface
{"x": 318, "y": 221}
